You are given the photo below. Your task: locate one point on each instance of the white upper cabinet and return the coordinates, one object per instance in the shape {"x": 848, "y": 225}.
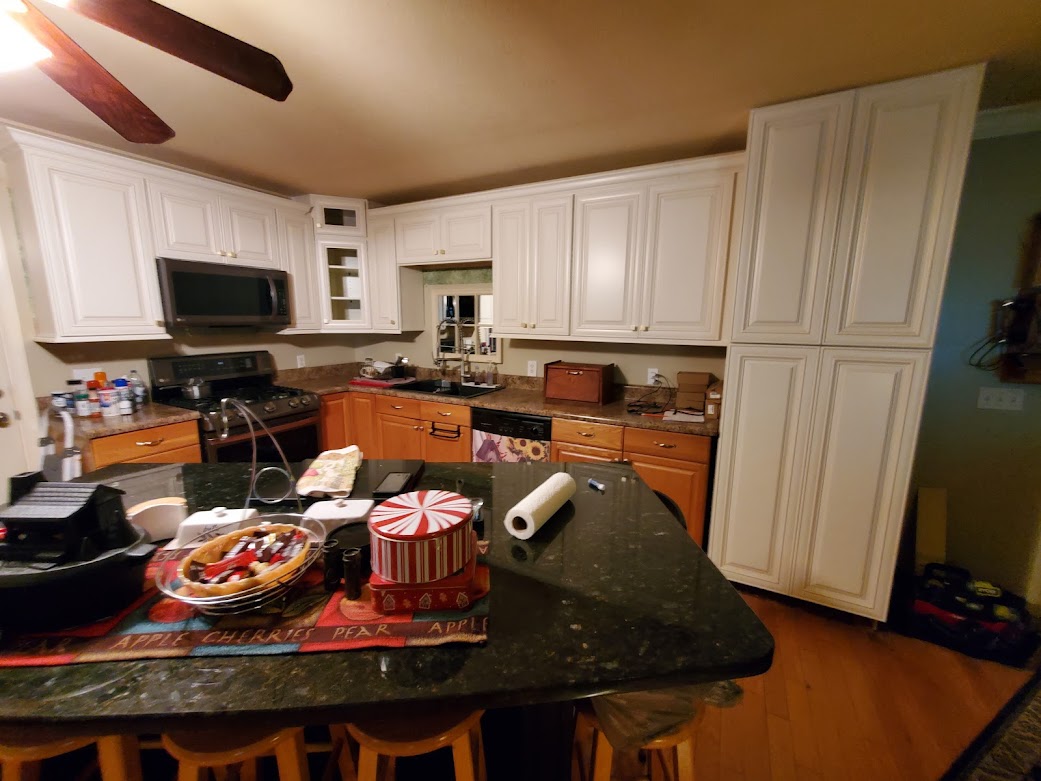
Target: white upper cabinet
{"x": 445, "y": 234}
{"x": 796, "y": 163}
{"x": 532, "y": 251}
{"x": 337, "y": 216}
{"x": 867, "y": 410}
{"x": 688, "y": 236}
{"x": 607, "y": 255}
{"x": 850, "y": 208}
{"x": 296, "y": 231}
{"x": 87, "y": 247}
{"x": 343, "y": 279}
{"x": 907, "y": 157}
{"x": 395, "y": 294}
{"x": 197, "y": 221}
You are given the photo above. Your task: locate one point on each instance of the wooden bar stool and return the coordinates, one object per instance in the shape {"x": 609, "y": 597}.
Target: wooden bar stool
{"x": 22, "y": 753}
{"x": 198, "y": 752}
{"x": 673, "y": 750}
{"x": 390, "y": 738}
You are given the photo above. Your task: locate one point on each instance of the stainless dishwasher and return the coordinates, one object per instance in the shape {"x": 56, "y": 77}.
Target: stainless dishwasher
{"x": 509, "y": 436}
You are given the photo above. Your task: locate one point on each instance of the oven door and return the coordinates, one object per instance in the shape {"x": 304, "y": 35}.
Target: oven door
{"x": 299, "y": 440}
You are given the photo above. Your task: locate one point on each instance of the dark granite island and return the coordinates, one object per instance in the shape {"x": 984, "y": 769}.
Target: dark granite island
{"x": 611, "y": 595}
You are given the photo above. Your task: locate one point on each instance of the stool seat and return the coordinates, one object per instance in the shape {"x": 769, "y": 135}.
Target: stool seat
{"x": 22, "y": 750}
{"x": 198, "y": 751}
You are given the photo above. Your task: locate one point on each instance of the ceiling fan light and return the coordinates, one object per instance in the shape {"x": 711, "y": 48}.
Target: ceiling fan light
{"x": 18, "y": 49}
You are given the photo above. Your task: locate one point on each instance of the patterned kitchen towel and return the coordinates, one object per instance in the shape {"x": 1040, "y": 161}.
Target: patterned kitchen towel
{"x": 331, "y": 474}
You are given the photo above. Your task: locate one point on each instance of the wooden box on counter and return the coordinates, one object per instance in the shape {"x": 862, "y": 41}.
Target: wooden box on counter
{"x": 592, "y": 382}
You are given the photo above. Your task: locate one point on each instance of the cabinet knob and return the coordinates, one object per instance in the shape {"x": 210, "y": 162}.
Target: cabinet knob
{"x": 233, "y": 254}
{"x": 442, "y": 252}
{"x": 418, "y": 428}
{"x": 636, "y": 328}
{"x": 646, "y": 328}
{"x": 393, "y": 322}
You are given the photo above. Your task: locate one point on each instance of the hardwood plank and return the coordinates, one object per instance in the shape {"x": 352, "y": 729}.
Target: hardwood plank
{"x": 782, "y": 753}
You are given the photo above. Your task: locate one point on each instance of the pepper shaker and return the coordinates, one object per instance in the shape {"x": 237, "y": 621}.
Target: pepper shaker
{"x": 352, "y": 573}
{"x": 331, "y": 565}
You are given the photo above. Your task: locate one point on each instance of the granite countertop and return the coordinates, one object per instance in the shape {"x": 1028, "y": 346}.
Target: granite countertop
{"x": 514, "y": 399}
{"x": 149, "y": 416}
{"x": 611, "y": 595}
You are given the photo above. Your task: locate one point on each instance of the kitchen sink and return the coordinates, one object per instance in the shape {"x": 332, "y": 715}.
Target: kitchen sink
{"x": 446, "y": 388}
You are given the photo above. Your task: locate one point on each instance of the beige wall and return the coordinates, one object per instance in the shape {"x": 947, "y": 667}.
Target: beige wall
{"x": 989, "y": 461}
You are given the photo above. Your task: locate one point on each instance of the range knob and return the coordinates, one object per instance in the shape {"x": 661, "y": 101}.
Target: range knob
{"x": 294, "y": 403}
{"x": 306, "y": 401}
{"x": 269, "y": 407}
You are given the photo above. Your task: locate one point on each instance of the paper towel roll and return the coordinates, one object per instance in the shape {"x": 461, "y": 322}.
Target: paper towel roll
{"x": 530, "y": 513}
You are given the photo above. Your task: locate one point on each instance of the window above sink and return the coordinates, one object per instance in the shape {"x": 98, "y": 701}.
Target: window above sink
{"x": 460, "y": 321}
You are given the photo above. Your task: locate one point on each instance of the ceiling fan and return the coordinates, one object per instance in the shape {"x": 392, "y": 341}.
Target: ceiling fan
{"x": 79, "y": 74}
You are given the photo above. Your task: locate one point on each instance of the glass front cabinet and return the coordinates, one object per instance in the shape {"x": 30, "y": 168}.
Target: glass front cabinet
{"x": 344, "y": 285}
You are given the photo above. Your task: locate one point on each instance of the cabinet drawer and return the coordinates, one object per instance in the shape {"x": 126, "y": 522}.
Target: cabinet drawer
{"x": 393, "y": 405}
{"x": 562, "y": 451}
{"x": 438, "y": 412}
{"x": 686, "y": 447}
{"x": 139, "y": 445}
{"x": 190, "y": 454}
{"x": 593, "y": 434}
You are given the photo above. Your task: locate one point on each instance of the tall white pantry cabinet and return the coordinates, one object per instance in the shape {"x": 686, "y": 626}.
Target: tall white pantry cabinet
{"x": 850, "y": 207}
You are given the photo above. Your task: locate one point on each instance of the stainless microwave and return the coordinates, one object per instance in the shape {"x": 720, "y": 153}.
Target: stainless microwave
{"x": 197, "y": 294}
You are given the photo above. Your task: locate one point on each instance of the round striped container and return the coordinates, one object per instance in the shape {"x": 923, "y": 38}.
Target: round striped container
{"x": 421, "y": 536}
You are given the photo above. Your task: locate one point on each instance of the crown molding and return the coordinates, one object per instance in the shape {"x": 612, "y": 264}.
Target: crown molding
{"x": 1008, "y": 121}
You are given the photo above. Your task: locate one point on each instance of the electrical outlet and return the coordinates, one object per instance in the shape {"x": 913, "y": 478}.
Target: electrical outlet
{"x": 533, "y": 368}
{"x": 85, "y": 374}
{"x": 651, "y": 374}
{"x": 301, "y": 361}
{"x": 1008, "y": 399}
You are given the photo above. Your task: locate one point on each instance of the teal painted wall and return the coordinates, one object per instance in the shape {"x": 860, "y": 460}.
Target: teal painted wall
{"x": 989, "y": 461}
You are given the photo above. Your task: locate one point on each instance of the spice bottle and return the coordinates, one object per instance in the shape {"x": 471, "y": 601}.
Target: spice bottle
{"x": 93, "y": 399}
{"x": 81, "y": 401}
{"x": 123, "y": 394}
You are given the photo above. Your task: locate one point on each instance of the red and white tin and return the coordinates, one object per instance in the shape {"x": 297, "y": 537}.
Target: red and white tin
{"x": 421, "y": 536}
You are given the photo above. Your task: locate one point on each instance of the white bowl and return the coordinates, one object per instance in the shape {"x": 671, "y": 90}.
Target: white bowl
{"x": 159, "y": 517}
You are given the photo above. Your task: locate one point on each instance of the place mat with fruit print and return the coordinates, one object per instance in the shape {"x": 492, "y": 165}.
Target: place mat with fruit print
{"x": 310, "y": 620}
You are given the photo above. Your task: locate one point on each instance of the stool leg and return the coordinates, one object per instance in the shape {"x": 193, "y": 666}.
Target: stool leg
{"x": 482, "y": 771}
{"x": 291, "y": 755}
{"x": 119, "y": 758}
{"x": 248, "y": 770}
{"x": 463, "y": 758}
{"x": 368, "y": 762}
{"x": 341, "y": 754}
{"x": 16, "y": 770}
{"x": 186, "y": 771}
{"x": 685, "y": 760}
{"x": 603, "y": 757}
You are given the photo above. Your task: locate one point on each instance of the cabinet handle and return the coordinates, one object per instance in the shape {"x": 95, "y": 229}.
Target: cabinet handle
{"x": 620, "y": 461}
{"x": 586, "y": 434}
{"x": 445, "y": 414}
{"x": 666, "y": 445}
{"x": 151, "y": 442}
{"x": 417, "y": 428}
{"x": 397, "y": 406}
{"x": 574, "y": 373}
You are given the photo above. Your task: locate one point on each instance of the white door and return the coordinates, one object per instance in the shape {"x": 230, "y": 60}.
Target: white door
{"x": 187, "y": 221}
{"x": 907, "y": 158}
{"x": 466, "y": 233}
{"x": 796, "y": 161}
{"x": 250, "y": 232}
{"x": 384, "y": 292}
{"x": 607, "y": 242}
{"x": 511, "y": 253}
{"x": 297, "y": 233}
{"x": 688, "y": 232}
{"x": 764, "y": 432}
{"x": 867, "y": 409}
{"x": 549, "y": 278}
{"x": 418, "y": 237}
{"x": 101, "y": 268}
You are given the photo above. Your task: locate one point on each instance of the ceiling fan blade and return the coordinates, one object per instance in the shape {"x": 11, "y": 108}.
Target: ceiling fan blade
{"x": 82, "y": 76}
{"x": 192, "y": 41}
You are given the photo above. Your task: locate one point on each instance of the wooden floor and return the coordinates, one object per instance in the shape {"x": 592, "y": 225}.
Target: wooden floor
{"x": 843, "y": 701}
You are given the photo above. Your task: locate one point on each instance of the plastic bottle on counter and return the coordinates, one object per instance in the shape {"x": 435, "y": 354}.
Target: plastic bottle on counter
{"x": 81, "y": 400}
{"x": 109, "y": 400}
{"x": 124, "y": 395}
{"x": 93, "y": 398}
{"x": 138, "y": 389}
{"x": 70, "y": 394}
{"x": 101, "y": 378}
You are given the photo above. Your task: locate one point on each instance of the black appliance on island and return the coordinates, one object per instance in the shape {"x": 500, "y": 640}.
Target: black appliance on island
{"x": 201, "y": 382}
{"x": 68, "y": 555}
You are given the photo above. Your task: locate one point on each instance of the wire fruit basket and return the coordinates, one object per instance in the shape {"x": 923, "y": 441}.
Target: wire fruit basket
{"x": 169, "y": 581}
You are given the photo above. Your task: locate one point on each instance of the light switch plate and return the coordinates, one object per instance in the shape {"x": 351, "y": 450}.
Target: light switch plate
{"x": 1007, "y": 399}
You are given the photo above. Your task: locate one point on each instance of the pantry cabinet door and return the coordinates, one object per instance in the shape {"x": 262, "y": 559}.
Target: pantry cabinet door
{"x": 907, "y": 158}
{"x": 511, "y": 250}
{"x": 607, "y": 256}
{"x": 98, "y": 249}
{"x": 187, "y": 221}
{"x": 549, "y": 277}
{"x": 250, "y": 234}
{"x": 867, "y": 410}
{"x": 688, "y": 231}
{"x": 298, "y": 244}
{"x": 384, "y": 284}
{"x": 796, "y": 161}
{"x": 764, "y": 434}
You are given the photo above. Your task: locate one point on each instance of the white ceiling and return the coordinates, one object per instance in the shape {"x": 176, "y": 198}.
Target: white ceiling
{"x": 396, "y": 100}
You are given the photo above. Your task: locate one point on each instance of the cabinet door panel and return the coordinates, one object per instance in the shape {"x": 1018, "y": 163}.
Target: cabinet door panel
{"x": 907, "y": 160}
{"x": 418, "y": 237}
{"x": 868, "y": 406}
{"x": 363, "y": 424}
{"x": 384, "y": 289}
{"x": 335, "y": 420}
{"x": 685, "y": 482}
{"x": 446, "y": 443}
{"x": 550, "y": 278}
{"x": 512, "y": 253}
{"x": 688, "y": 236}
{"x": 250, "y": 232}
{"x": 466, "y": 234}
{"x": 606, "y": 258}
{"x": 187, "y": 221}
{"x": 761, "y": 460}
{"x": 298, "y": 243}
{"x": 796, "y": 161}
{"x": 399, "y": 437}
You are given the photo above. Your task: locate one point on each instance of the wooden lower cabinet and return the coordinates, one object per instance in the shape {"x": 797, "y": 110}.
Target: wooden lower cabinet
{"x": 174, "y": 443}
{"x": 563, "y": 451}
{"x": 363, "y": 424}
{"x": 399, "y": 437}
{"x": 447, "y": 443}
{"x": 685, "y": 482}
{"x": 335, "y": 422}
